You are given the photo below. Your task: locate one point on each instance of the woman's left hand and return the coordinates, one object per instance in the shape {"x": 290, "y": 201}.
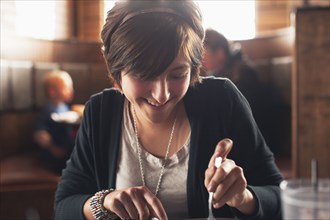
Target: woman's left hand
{"x": 228, "y": 182}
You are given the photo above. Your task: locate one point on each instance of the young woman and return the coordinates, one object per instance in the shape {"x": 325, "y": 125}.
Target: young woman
{"x": 147, "y": 149}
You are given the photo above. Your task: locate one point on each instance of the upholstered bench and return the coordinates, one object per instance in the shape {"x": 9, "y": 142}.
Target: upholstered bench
{"x": 26, "y": 188}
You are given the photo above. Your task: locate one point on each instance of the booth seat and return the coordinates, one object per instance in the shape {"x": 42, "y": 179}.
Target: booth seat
{"x": 27, "y": 188}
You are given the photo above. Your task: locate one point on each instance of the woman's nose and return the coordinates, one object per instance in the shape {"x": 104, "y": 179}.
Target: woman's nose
{"x": 160, "y": 91}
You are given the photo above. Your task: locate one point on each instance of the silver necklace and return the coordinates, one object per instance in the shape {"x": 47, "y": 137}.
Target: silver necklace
{"x": 139, "y": 151}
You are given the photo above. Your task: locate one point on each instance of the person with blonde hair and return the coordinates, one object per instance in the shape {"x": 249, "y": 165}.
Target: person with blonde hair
{"x": 147, "y": 149}
{"x": 58, "y": 87}
{"x": 55, "y": 139}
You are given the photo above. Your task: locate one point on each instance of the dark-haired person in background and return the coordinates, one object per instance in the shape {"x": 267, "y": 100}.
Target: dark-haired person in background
{"x": 222, "y": 59}
{"x": 227, "y": 59}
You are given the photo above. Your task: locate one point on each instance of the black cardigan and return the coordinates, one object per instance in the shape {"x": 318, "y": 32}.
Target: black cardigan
{"x": 216, "y": 110}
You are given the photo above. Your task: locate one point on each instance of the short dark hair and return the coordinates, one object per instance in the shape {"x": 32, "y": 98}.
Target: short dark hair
{"x": 143, "y": 40}
{"x": 215, "y": 40}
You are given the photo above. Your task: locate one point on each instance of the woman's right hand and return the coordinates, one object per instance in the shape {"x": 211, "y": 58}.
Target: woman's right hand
{"x": 134, "y": 203}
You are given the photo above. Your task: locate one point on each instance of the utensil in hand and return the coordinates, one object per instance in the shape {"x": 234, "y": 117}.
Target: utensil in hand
{"x": 217, "y": 163}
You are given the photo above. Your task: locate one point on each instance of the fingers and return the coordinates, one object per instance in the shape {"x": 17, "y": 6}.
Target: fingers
{"x": 222, "y": 150}
{"x": 134, "y": 203}
{"x": 209, "y": 173}
{"x": 114, "y": 203}
{"x": 155, "y": 206}
{"x": 221, "y": 174}
{"x": 130, "y": 207}
{"x": 138, "y": 200}
{"x": 227, "y": 182}
{"x": 229, "y": 188}
{"x": 119, "y": 210}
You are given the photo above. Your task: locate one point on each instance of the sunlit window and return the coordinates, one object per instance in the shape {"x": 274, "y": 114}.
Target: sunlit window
{"x": 36, "y": 18}
{"x": 234, "y": 19}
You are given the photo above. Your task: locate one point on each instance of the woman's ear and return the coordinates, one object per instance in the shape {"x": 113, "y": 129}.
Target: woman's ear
{"x": 118, "y": 87}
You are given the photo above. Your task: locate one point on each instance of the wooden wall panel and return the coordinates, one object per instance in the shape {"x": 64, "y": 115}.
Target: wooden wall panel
{"x": 65, "y": 21}
{"x": 16, "y": 132}
{"x": 20, "y": 48}
{"x": 311, "y": 91}
{"x": 269, "y": 45}
{"x": 5, "y": 102}
{"x": 77, "y": 51}
{"x": 271, "y": 15}
{"x": 89, "y": 19}
{"x": 99, "y": 79}
{"x": 81, "y": 82}
{"x": 276, "y": 14}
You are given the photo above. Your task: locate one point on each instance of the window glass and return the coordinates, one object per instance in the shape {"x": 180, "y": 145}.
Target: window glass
{"x": 234, "y": 19}
{"x": 36, "y": 19}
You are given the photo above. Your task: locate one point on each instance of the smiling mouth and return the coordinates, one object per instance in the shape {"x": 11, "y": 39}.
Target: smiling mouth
{"x": 156, "y": 104}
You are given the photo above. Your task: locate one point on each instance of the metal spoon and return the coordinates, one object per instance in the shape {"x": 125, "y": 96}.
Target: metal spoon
{"x": 211, "y": 216}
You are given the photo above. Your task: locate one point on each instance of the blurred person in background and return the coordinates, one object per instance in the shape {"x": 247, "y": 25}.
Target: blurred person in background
{"x": 54, "y": 138}
{"x": 223, "y": 58}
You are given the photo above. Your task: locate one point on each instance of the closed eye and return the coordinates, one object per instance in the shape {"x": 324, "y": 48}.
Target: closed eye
{"x": 179, "y": 75}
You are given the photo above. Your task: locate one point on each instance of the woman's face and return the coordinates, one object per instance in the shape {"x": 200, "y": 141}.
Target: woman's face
{"x": 155, "y": 99}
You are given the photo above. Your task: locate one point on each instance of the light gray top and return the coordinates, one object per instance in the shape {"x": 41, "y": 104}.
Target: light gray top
{"x": 172, "y": 192}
